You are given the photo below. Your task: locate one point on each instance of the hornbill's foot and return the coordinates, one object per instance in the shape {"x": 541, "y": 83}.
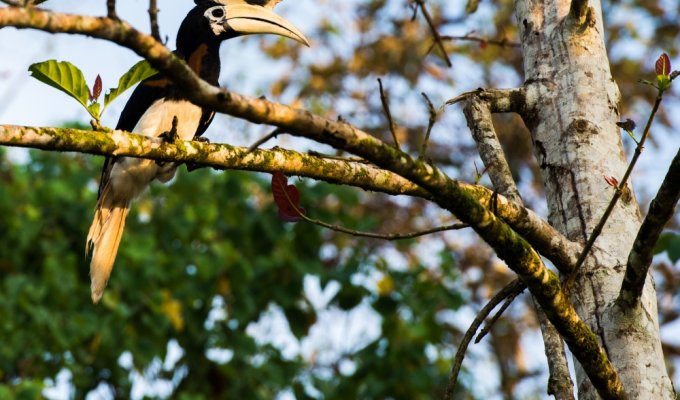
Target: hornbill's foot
{"x": 171, "y": 135}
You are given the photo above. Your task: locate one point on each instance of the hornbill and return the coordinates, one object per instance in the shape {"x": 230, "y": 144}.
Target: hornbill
{"x": 158, "y": 107}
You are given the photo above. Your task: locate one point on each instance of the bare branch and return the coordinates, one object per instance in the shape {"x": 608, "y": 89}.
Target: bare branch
{"x": 388, "y": 113}
{"x": 479, "y": 121}
{"x": 153, "y": 20}
{"x": 661, "y": 210}
{"x": 434, "y": 113}
{"x": 513, "y": 289}
{"x": 111, "y": 9}
{"x": 560, "y": 383}
{"x": 508, "y": 301}
{"x": 495, "y": 42}
{"x": 276, "y": 132}
{"x": 478, "y": 114}
{"x": 435, "y": 32}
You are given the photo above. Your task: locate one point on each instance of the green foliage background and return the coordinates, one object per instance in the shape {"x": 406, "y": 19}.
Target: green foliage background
{"x": 206, "y": 236}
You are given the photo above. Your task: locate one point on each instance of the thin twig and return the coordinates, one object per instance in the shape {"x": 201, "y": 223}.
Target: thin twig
{"x": 513, "y": 289}
{"x": 276, "y": 132}
{"x": 433, "y": 120}
{"x": 487, "y": 327}
{"x": 390, "y": 236}
{"x": 153, "y": 20}
{"x": 435, "y": 33}
{"x": 388, "y": 114}
{"x": 338, "y": 158}
{"x": 111, "y": 9}
{"x": 619, "y": 190}
{"x": 495, "y": 42}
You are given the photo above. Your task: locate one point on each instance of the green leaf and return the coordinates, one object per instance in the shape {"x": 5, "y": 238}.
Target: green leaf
{"x": 95, "y": 110}
{"x": 669, "y": 242}
{"x": 63, "y": 76}
{"x": 136, "y": 74}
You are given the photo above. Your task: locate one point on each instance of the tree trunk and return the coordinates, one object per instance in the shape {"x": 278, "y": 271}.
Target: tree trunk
{"x": 577, "y": 144}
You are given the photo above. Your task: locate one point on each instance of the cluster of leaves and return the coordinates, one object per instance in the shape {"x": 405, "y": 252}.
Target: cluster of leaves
{"x": 201, "y": 261}
{"x": 69, "y": 79}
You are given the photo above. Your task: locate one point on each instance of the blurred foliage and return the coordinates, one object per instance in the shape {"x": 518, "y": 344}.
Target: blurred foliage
{"x": 205, "y": 260}
{"x": 202, "y": 260}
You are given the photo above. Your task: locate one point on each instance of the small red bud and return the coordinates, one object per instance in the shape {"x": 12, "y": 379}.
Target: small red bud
{"x": 611, "y": 181}
{"x": 663, "y": 65}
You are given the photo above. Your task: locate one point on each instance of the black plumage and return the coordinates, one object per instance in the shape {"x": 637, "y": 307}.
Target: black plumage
{"x": 157, "y": 105}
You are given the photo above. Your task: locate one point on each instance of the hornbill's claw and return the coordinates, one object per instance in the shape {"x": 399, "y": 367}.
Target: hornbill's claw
{"x": 171, "y": 135}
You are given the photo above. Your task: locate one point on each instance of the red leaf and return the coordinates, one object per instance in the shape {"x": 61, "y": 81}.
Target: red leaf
{"x": 663, "y": 65}
{"x": 611, "y": 181}
{"x": 483, "y": 44}
{"x": 287, "y": 198}
{"x": 97, "y": 87}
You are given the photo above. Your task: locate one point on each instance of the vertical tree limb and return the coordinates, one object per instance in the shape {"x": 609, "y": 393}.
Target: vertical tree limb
{"x": 661, "y": 210}
{"x": 111, "y": 9}
{"x": 153, "y": 20}
{"x": 478, "y": 114}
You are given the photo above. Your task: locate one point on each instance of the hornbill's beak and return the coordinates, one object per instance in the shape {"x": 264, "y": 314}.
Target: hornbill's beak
{"x": 247, "y": 19}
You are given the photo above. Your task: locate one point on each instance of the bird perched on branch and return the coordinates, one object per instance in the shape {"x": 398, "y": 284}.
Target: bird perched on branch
{"x": 158, "y": 107}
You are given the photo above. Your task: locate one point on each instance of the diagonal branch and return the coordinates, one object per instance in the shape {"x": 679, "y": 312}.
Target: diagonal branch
{"x": 218, "y": 156}
{"x": 544, "y": 237}
{"x": 513, "y": 288}
{"x": 435, "y": 32}
{"x": 660, "y": 211}
{"x": 478, "y": 114}
{"x": 510, "y": 247}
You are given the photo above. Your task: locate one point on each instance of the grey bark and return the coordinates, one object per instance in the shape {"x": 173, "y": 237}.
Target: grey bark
{"x": 577, "y": 143}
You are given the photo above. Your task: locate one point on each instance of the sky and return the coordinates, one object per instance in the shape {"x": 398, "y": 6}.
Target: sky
{"x": 25, "y": 101}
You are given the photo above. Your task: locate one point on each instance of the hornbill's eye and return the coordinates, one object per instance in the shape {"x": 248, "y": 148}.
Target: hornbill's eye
{"x": 218, "y": 13}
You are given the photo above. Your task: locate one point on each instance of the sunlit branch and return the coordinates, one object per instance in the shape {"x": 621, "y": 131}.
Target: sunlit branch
{"x": 450, "y": 194}
{"x": 477, "y": 111}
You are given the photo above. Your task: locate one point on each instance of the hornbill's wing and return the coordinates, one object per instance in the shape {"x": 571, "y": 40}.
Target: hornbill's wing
{"x": 145, "y": 94}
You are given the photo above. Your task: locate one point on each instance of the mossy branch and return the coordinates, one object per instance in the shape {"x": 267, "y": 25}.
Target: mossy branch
{"x": 453, "y": 196}
{"x": 510, "y": 246}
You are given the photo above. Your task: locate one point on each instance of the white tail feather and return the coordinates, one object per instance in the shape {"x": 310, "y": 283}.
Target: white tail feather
{"x": 103, "y": 240}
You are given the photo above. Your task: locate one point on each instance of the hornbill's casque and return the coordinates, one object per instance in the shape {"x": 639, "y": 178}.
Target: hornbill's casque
{"x": 153, "y": 106}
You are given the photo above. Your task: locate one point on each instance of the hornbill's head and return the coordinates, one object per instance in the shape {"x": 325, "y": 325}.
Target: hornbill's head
{"x": 217, "y": 20}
